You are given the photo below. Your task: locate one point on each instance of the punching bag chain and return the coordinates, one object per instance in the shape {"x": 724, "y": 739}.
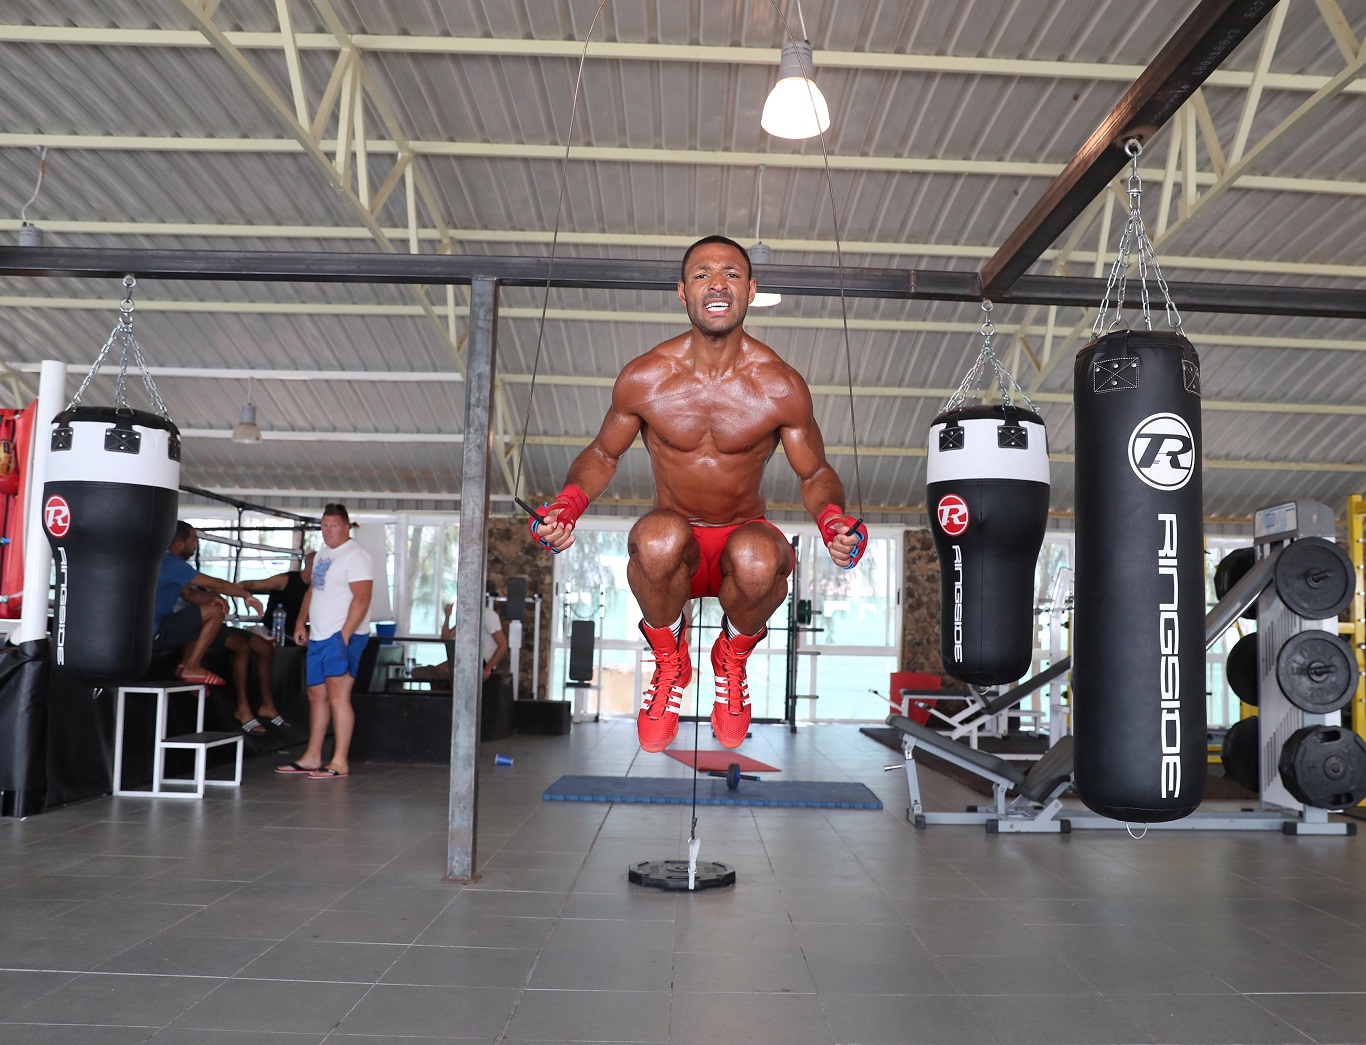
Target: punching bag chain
{"x": 1135, "y": 234}
{"x": 123, "y": 334}
{"x": 973, "y": 385}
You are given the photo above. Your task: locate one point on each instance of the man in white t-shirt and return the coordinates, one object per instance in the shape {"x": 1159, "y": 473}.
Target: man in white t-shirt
{"x": 337, "y": 609}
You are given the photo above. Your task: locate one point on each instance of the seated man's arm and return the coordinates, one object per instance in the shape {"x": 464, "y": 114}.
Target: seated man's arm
{"x": 221, "y": 587}
{"x": 276, "y": 583}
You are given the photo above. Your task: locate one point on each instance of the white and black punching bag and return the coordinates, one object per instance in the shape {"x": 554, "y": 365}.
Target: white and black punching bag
{"x": 109, "y": 511}
{"x": 1138, "y": 627}
{"x": 987, "y": 497}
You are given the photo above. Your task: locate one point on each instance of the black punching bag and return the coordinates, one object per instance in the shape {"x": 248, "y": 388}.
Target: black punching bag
{"x": 987, "y": 498}
{"x": 109, "y": 511}
{"x": 1138, "y": 628}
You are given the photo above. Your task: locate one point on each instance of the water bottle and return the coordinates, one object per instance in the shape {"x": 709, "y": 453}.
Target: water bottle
{"x": 277, "y": 626}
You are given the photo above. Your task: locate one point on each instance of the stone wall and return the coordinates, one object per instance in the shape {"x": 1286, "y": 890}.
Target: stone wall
{"x": 513, "y": 554}
{"x": 920, "y": 606}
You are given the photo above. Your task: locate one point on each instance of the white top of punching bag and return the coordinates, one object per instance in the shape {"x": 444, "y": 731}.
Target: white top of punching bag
{"x": 982, "y": 457}
{"x": 88, "y": 460}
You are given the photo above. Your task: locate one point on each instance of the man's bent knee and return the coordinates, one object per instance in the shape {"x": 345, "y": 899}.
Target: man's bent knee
{"x": 756, "y": 553}
{"x": 662, "y": 539}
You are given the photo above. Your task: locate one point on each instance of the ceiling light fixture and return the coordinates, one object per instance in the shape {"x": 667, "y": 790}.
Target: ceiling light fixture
{"x": 795, "y": 107}
{"x": 247, "y": 430}
{"x": 30, "y": 235}
{"x": 761, "y": 253}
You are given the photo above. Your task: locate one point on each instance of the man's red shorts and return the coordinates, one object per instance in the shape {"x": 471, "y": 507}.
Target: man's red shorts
{"x": 711, "y": 541}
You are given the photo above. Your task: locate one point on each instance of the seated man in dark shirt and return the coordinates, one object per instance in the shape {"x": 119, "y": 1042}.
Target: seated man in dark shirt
{"x": 287, "y": 591}
{"x": 197, "y": 626}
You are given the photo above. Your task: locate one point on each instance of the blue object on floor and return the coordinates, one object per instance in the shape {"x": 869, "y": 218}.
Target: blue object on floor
{"x": 804, "y": 794}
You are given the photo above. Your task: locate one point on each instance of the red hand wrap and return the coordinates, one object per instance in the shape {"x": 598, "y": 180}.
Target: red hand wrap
{"x": 830, "y": 515}
{"x": 572, "y": 503}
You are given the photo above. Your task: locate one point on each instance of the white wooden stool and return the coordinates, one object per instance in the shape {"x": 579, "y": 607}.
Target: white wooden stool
{"x": 199, "y": 742}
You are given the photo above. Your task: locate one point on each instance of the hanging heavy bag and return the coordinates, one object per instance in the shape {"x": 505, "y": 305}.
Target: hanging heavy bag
{"x": 109, "y": 512}
{"x": 1138, "y": 655}
{"x": 987, "y": 498}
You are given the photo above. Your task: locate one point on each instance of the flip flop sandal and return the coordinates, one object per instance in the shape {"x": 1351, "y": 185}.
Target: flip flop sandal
{"x": 252, "y": 727}
{"x": 202, "y": 678}
{"x": 327, "y": 773}
{"x": 294, "y": 769}
{"x": 279, "y": 722}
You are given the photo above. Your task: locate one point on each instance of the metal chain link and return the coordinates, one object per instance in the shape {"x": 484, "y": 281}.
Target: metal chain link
{"x": 987, "y": 362}
{"x": 1135, "y": 234}
{"x": 123, "y": 334}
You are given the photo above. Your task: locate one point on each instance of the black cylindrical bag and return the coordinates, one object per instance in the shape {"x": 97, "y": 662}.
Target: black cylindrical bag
{"x": 1138, "y": 629}
{"x": 987, "y": 498}
{"x": 109, "y": 512}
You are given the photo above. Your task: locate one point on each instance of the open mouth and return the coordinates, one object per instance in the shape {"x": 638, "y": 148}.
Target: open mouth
{"x": 717, "y": 307}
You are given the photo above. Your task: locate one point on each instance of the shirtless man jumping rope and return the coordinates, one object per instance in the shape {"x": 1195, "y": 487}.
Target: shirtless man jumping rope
{"x": 712, "y": 405}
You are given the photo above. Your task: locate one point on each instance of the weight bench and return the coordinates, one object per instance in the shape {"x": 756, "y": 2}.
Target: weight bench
{"x": 984, "y": 708}
{"x": 1034, "y": 808}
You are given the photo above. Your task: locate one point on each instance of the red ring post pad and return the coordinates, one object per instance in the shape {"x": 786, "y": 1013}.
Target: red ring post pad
{"x": 832, "y": 514}
{"x": 571, "y": 501}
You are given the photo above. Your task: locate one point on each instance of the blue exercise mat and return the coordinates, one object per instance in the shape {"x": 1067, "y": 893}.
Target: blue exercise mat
{"x": 712, "y": 791}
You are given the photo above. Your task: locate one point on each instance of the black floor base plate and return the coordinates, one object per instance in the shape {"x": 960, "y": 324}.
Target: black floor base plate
{"x": 673, "y": 874}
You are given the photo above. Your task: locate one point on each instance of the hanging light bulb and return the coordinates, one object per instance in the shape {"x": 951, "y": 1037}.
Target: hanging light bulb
{"x": 795, "y": 107}
{"x": 761, "y": 253}
{"x": 247, "y": 430}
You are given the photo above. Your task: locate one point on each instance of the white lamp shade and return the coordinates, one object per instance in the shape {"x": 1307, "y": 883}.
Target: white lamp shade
{"x": 762, "y": 254}
{"x": 795, "y": 107}
{"x": 247, "y": 430}
{"x": 763, "y": 299}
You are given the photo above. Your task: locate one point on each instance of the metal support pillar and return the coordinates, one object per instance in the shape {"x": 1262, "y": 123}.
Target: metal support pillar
{"x": 469, "y": 598}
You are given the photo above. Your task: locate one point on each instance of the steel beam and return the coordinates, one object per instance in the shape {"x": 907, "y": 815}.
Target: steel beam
{"x": 611, "y": 274}
{"x": 468, "y": 681}
{"x": 1195, "y": 50}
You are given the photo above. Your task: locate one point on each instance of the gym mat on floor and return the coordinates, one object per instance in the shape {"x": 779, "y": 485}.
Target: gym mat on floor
{"x": 719, "y": 761}
{"x": 712, "y": 791}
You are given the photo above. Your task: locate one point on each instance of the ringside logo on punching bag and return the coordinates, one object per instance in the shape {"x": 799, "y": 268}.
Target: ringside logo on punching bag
{"x": 953, "y": 515}
{"x": 1161, "y": 451}
{"x": 56, "y": 516}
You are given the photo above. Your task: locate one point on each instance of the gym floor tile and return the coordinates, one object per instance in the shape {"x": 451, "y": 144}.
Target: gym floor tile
{"x": 1320, "y": 1016}
{"x": 401, "y": 1011}
{"x": 1207, "y": 1019}
{"x": 273, "y": 1005}
{"x": 874, "y": 1019}
{"x": 859, "y": 972}
{"x": 187, "y": 956}
{"x": 748, "y": 1019}
{"x": 486, "y": 930}
{"x": 186, "y": 1036}
{"x": 252, "y": 922}
{"x": 21, "y": 988}
{"x": 1039, "y": 975}
{"x": 462, "y": 967}
{"x": 1040, "y": 1019}
{"x": 323, "y": 961}
{"x": 592, "y": 1016}
{"x": 116, "y": 999}
{"x": 605, "y": 970}
{"x": 58, "y": 1034}
{"x": 362, "y": 927}
{"x": 1154, "y": 973}
{"x": 758, "y": 973}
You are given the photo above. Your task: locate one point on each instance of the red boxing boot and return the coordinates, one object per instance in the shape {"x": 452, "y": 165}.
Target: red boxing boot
{"x": 730, "y": 713}
{"x": 657, "y": 723}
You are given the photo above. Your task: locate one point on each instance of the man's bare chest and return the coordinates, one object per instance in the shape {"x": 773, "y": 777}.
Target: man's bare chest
{"x": 729, "y": 418}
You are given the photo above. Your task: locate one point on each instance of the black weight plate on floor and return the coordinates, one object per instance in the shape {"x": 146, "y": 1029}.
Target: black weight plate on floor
{"x": 1230, "y": 571}
{"x": 1239, "y": 754}
{"x": 673, "y": 874}
{"x": 1242, "y": 670}
{"x": 1317, "y": 672}
{"x": 1324, "y": 766}
{"x": 1314, "y": 578}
